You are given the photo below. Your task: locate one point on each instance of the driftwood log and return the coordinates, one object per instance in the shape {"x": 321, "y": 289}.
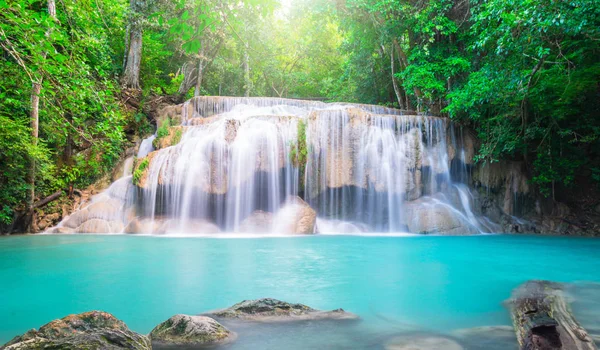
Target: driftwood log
{"x": 543, "y": 320}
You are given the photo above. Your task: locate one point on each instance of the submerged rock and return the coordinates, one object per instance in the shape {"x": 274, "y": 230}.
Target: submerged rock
{"x": 423, "y": 342}
{"x": 89, "y": 330}
{"x": 268, "y": 309}
{"x": 191, "y": 330}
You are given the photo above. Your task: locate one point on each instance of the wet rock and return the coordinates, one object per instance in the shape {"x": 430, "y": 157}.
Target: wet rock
{"x": 89, "y": 330}
{"x": 543, "y": 319}
{"x": 430, "y": 217}
{"x": 137, "y": 225}
{"x": 257, "y": 222}
{"x": 191, "y": 330}
{"x": 337, "y": 226}
{"x": 76, "y": 219}
{"x": 488, "y": 338}
{"x": 273, "y": 310}
{"x": 423, "y": 342}
{"x": 100, "y": 226}
{"x": 61, "y": 230}
{"x": 295, "y": 217}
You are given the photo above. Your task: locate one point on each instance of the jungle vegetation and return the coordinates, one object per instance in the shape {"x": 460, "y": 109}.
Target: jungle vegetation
{"x": 524, "y": 74}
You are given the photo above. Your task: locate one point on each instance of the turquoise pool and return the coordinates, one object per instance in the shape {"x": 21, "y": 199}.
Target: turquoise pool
{"x": 396, "y": 284}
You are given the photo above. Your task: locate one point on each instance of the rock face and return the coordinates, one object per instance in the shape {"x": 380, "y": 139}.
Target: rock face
{"x": 272, "y": 310}
{"x": 89, "y": 330}
{"x": 191, "y": 330}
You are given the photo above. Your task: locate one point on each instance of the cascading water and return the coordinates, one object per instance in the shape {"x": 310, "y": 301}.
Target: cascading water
{"x": 233, "y": 165}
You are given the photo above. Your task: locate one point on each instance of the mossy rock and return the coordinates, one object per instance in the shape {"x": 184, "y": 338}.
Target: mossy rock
{"x": 191, "y": 330}
{"x": 89, "y": 330}
{"x": 268, "y": 309}
{"x": 141, "y": 168}
{"x": 169, "y": 137}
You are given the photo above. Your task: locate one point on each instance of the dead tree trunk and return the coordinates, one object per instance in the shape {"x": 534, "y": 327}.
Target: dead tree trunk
{"x": 133, "y": 46}
{"x": 189, "y": 78}
{"x": 543, "y": 320}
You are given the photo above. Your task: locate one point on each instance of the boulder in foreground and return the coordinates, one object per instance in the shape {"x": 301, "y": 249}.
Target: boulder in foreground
{"x": 190, "y": 331}
{"x": 272, "y": 310}
{"x": 543, "y": 320}
{"x": 89, "y": 330}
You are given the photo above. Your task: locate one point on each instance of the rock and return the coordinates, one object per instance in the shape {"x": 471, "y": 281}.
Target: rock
{"x": 597, "y": 209}
{"x": 191, "y": 330}
{"x": 488, "y": 337}
{"x": 188, "y": 226}
{"x": 272, "y": 310}
{"x": 543, "y": 320}
{"x": 427, "y": 216}
{"x": 76, "y": 219}
{"x": 257, "y": 222}
{"x": 423, "y": 342}
{"x": 337, "y": 226}
{"x": 89, "y": 330}
{"x": 137, "y": 225}
{"x": 295, "y": 217}
{"x": 61, "y": 230}
{"x": 94, "y": 226}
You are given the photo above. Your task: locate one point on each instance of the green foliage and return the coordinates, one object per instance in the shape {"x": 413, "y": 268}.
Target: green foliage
{"x": 299, "y": 151}
{"x": 139, "y": 170}
{"x": 178, "y": 133}
{"x": 81, "y": 125}
{"x": 163, "y": 129}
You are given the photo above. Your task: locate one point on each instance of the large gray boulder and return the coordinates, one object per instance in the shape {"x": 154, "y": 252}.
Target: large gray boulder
{"x": 273, "y": 310}
{"x": 191, "y": 330}
{"x": 89, "y": 330}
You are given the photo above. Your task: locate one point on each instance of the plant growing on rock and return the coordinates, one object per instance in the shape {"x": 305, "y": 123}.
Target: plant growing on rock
{"x": 299, "y": 151}
{"x": 140, "y": 168}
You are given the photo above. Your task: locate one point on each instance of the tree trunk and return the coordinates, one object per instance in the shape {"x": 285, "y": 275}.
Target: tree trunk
{"x": 133, "y": 45}
{"x": 36, "y": 89}
{"x": 404, "y": 63}
{"x": 189, "y": 78}
{"x": 199, "y": 77}
{"x": 247, "y": 82}
{"x": 395, "y": 82}
{"x": 131, "y": 76}
{"x": 543, "y": 320}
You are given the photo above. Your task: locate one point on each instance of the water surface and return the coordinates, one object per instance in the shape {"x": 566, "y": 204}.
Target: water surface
{"x": 396, "y": 284}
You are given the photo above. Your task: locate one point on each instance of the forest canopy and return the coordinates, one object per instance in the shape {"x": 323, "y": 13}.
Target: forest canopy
{"x": 524, "y": 74}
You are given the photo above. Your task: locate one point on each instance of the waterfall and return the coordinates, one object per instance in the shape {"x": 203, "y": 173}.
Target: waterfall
{"x": 234, "y": 167}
